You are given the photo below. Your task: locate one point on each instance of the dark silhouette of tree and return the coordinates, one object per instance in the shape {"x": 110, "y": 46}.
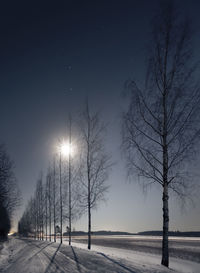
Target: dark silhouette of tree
{"x": 40, "y": 197}
{"x": 42, "y": 209}
{"x": 50, "y": 201}
{"x": 71, "y": 162}
{"x": 33, "y": 219}
{"x": 54, "y": 198}
{"x": 49, "y": 197}
{"x": 161, "y": 128}
{"x": 70, "y": 181}
{"x": 4, "y": 222}
{"x": 27, "y": 224}
{"x": 95, "y": 163}
{"x": 9, "y": 192}
{"x": 61, "y": 198}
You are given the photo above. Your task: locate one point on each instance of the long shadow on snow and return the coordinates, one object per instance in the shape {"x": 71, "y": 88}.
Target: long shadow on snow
{"x": 52, "y": 260}
{"x": 41, "y": 249}
{"x": 30, "y": 242}
{"x": 115, "y": 262}
{"x": 76, "y": 259}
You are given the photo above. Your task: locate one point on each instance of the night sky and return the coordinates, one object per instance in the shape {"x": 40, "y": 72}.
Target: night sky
{"x": 52, "y": 55}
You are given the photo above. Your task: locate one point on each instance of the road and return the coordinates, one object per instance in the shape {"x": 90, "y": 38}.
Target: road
{"x": 28, "y": 256}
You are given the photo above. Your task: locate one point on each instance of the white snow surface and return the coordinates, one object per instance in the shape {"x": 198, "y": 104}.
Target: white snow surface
{"x": 149, "y": 237}
{"x": 30, "y": 256}
{"x": 144, "y": 259}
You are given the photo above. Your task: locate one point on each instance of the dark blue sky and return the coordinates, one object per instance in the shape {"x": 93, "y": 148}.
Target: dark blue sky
{"x": 53, "y": 54}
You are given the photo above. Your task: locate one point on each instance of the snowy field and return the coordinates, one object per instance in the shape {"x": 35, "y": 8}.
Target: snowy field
{"x": 28, "y": 256}
{"x": 187, "y": 248}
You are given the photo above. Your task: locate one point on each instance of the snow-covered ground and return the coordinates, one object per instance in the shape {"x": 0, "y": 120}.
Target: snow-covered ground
{"x": 28, "y": 256}
{"x": 179, "y": 247}
{"x": 146, "y": 260}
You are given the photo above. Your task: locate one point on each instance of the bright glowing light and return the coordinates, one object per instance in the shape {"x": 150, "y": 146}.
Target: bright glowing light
{"x": 66, "y": 149}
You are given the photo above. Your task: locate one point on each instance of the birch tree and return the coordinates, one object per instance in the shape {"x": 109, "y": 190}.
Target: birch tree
{"x": 161, "y": 127}
{"x": 71, "y": 170}
{"x": 40, "y": 211}
{"x": 95, "y": 163}
{"x": 51, "y": 205}
{"x": 61, "y": 197}
{"x": 54, "y": 198}
{"x": 40, "y": 204}
{"x": 49, "y": 194}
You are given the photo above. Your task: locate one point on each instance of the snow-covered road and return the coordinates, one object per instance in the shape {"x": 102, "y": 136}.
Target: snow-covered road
{"x": 29, "y": 256}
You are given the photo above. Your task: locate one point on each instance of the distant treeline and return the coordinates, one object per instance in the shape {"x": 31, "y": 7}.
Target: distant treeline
{"x": 171, "y": 233}
{"x": 100, "y": 232}
{"x": 148, "y": 233}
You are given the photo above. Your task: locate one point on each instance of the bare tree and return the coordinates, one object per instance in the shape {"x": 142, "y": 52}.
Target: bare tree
{"x": 50, "y": 200}
{"x": 69, "y": 178}
{"x": 32, "y": 212}
{"x": 95, "y": 163}
{"x": 54, "y": 198}
{"x": 49, "y": 194}
{"x": 161, "y": 126}
{"x": 61, "y": 197}
{"x": 72, "y": 164}
{"x": 26, "y": 225}
{"x": 31, "y": 223}
{"x": 70, "y": 181}
{"x": 9, "y": 192}
{"x": 40, "y": 211}
{"x": 46, "y": 207}
{"x": 40, "y": 204}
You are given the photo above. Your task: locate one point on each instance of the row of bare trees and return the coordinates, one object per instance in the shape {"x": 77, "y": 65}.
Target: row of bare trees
{"x": 75, "y": 182}
{"x": 161, "y": 128}
{"x": 9, "y": 192}
{"x": 40, "y": 216}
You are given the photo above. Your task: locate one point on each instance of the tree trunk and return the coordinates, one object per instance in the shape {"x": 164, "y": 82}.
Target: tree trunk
{"x": 54, "y": 199}
{"x": 42, "y": 227}
{"x": 69, "y": 201}
{"x": 165, "y": 250}
{"x": 46, "y": 228}
{"x": 89, "y": 205}
{"x": 46, "y": 211}
{"x": 49, "y": 209}
{"x": 89, "y": 227}
{"x": 70, "y": 218}
{"x": 60, "y": 201}
{"x": 35, "y": 220}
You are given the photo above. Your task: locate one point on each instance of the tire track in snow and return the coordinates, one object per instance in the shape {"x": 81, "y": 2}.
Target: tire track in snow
{"x": 58, "y": 263}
